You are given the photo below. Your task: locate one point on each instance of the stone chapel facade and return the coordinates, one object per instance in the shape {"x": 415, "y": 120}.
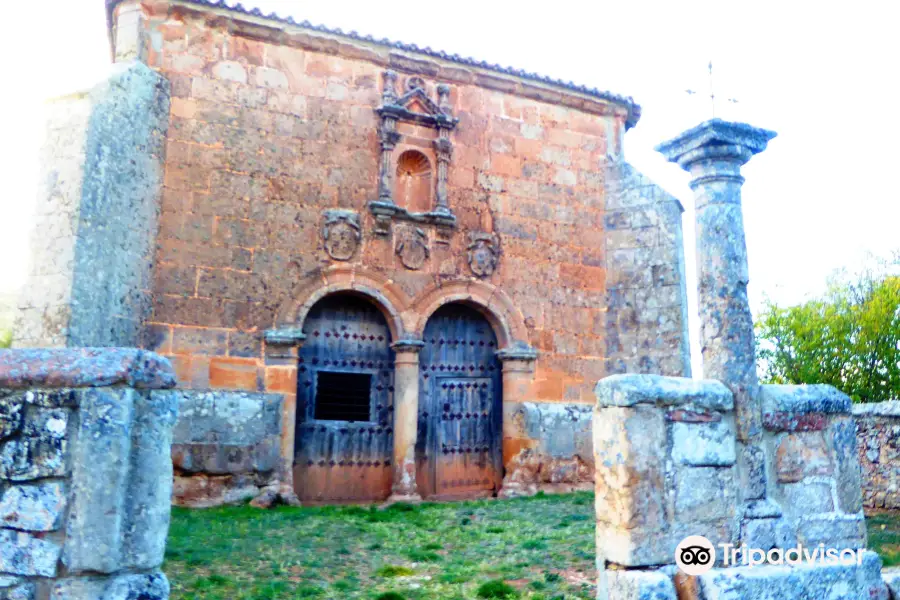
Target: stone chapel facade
{"x": 424, "y": 263}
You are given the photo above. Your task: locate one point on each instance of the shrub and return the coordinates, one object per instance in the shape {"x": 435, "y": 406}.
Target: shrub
{"x": 497, "y": 589}
{"x": 849, "y": 338}
{"x": 394, "y": 571}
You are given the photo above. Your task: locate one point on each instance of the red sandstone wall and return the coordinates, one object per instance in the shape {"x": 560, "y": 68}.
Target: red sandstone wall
{"x": 264, "y": 137}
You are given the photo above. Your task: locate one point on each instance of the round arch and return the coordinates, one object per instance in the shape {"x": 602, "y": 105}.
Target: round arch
{"x": 506, "y": 321}
{"x": 383, "y": 293}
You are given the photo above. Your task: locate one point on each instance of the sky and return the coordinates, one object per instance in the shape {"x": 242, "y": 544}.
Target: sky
{"x": 824, "y": 75}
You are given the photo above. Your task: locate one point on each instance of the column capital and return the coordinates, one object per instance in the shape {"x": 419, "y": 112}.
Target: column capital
{"x": 284, "y": 336}
{"x": 408, "y": 346}
{"x": 283, "y": 345}
{"x": 716, "y": 140}
{"x": 522, "y": 352}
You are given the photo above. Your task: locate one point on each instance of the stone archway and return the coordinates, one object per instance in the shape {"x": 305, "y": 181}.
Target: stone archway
{"x": 459, "y": 450}
{"x": 344, "y": 416}
{"x": 505, "y": 319}
{"x": 514, "y": 352}
{"x": 385, "y": 294}
{"x": 285, "y": 343}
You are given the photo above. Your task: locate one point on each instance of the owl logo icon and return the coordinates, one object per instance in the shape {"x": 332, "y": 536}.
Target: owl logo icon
{"x": 695, "y": 555}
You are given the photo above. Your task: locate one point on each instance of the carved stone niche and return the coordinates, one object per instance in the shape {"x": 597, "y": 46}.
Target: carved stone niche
{"x": 483, "y": 253}
{"x": 341, "y": 234}
{"x": 416, "y": 108}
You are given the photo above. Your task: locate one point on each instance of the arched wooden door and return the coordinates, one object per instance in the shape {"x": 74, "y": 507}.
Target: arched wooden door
{"x": 344, "y": 428}
{"x": 458, "y": 449}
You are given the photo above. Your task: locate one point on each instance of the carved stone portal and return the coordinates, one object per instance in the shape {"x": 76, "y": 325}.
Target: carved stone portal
{"x": 341, "y": 234}
{"x": 414, "y": 106}
{"x": 412, "y": 247}
{"x": 484, "y": 253}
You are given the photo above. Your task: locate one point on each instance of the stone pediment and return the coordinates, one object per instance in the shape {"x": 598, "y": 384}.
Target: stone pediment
{"x": 416, "y": 106}
{"x": 418, "y": 101}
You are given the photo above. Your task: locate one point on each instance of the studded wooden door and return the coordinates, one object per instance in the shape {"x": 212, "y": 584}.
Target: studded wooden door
{"x": 459, "y": 441}
{"x": 344, "y": 435}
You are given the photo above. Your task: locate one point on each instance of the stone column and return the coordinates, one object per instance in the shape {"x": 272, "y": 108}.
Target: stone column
{"x": 713, "y": 153}
{"x": 282, "y": 350}
{"x": 406, "y": 419}
{"x": 443, "y": 149}
{"x": 518, "y": 376}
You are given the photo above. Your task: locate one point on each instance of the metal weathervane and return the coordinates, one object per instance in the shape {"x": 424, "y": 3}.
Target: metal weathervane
{"x": 712, "y": 92}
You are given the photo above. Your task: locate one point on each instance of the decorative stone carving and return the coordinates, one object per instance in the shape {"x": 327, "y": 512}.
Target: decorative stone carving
{"x": 443, "y": 148}
{"x": 389, "y": 139}
{"x": 341, "y": 233}
{"x": 414, "y": 106}
{"x": 414, "y": 83}
{"x": 443, "y": 91}
{"x": 389, "y": 95}
{"x": 484, "y": 253}
{"x": 412, "y": 247}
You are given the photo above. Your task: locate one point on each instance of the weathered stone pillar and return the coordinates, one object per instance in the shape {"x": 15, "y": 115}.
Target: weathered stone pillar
{"x": 713, "y": 153}
{"x": 406, "y": 419}
{"x": 96, "y": 215}
{"x": 282, "y": 350}
{"x": 85, "y": 473}
{"x": 518, "y": 375}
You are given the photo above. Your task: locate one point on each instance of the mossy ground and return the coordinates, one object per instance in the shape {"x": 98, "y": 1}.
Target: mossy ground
{"x": 542, "y": 547}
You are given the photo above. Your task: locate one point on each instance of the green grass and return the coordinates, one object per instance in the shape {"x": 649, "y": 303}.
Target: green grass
{"x": 538, "y": 548}
{"x": 528, "y": 549}
{"x": 884, "y": 537}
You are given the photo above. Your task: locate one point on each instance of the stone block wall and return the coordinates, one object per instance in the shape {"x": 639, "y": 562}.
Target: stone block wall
{"x": 664, "y": 450}
{"x": 85, "y": 474}
{"x": 555, "y": 449}
{"x": 94, "y": 239}
{"x": 272, "y": 125}
{"x": 226, "y": 446}
{"x": 646, "y": 291}
{"x": 665, "y": 457}
{"x": 819, "y": 581}
{"x": 814, "y": 470}
{"x": 878, "y": 440}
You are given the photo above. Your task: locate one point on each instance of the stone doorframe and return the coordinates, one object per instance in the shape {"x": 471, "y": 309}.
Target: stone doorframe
{"x": 406, "y": 318}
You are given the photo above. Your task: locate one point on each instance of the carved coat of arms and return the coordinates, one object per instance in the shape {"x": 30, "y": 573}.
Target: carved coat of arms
{"x": 483, "y": 254}
{"x": 412, "y": 247}
{"x": 341, "y": 234}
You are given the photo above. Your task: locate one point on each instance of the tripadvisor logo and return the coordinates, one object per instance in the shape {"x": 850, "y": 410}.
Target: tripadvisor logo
{"x": 695, "y": 555}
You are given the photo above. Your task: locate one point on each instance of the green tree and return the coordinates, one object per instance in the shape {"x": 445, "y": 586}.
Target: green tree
{"x": 850, "y": 338}
{"x": 5, "y": 339}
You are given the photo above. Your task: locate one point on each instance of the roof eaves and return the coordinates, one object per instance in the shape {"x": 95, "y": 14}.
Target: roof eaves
{"x": 634, "y": 109}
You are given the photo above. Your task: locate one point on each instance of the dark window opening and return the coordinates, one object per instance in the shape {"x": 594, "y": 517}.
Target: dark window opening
{"x": 342, "y": 396}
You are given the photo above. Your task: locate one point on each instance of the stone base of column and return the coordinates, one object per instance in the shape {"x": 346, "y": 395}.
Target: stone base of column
{"x": 404, "y": 488}
{"x": 515, "y": 489}
{"x": 274, "y": 494}
{"x": 402, "y": 499}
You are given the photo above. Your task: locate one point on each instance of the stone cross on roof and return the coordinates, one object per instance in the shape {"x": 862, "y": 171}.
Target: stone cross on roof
{"x": 712, "y": 92}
